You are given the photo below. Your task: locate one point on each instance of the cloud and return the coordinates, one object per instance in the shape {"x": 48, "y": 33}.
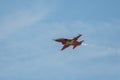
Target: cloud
{"x": 27, "y": 51}
{"x": 16, "y": 20}
{"x": 31, "y": 52}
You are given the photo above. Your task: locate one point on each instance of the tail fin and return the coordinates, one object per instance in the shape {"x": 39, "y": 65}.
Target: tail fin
{"x": 78, "y": 44}
{"x": 81, "y": 42}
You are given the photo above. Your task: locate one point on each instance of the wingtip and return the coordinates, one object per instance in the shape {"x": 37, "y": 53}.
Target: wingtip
{"x": 80, "y": 34}
{"x": 61, "y": 49}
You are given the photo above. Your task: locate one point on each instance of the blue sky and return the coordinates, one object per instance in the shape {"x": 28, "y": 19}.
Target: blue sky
{"x": 27, "y": 28}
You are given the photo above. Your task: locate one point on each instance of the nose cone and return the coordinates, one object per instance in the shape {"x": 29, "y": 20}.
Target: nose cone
{"x": 54, "y": 39}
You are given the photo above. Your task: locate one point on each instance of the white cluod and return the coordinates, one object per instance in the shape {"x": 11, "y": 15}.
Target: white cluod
{"x": 85, "y": 44}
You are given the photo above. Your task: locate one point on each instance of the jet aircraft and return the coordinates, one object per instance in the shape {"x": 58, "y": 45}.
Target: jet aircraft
{"x": 69, "y": 42}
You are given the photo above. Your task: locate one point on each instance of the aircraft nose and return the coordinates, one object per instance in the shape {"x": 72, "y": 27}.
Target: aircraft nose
{"x": 54, "y": 39}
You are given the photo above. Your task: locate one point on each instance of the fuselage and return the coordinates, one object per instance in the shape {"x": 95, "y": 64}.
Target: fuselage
{"x": 71, "y": 42}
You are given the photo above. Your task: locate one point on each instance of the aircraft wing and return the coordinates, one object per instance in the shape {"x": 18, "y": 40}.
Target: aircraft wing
{"x": 65, "y": 46}
{"x": 76, "y": 38}
{"x": 74, "y": 46}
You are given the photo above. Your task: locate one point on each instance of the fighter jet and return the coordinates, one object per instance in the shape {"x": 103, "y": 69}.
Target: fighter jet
{"x": 69, "y": 42}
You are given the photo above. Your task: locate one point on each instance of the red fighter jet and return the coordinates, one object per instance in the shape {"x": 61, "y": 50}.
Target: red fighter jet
{"x": 69, "y": 42}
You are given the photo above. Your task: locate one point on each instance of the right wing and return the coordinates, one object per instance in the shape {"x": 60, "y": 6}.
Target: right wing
{"x": 76, "y": 38}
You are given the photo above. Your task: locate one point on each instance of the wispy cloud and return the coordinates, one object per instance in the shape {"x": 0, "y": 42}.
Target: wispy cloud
{"x": 40, "y": 57}
{"x": 32, "y": 51}
{"x": 27, "y": 51}
{"x": 11, "y": 23}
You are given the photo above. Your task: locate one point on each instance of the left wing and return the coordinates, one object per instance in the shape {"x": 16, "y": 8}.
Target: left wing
{"x": 65, "y": 46}
{"x": 75, "y": 46}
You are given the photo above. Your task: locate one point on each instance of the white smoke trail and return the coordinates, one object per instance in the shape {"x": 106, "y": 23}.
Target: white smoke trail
{"x": 84, "y": 44}
{"x": 89, "y": 45}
